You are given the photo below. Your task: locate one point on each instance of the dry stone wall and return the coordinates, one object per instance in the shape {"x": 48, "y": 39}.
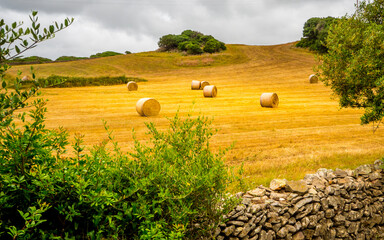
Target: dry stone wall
{"x": 331, "y": 204}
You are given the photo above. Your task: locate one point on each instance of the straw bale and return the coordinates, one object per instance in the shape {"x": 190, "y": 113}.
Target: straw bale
{"x": 132, "y": 86}
{"x": 195, "y": 85}
{"x": 270, "y": 100}
{"x": 25, "y": 78}
{"x": 148, "y": 107}
{"x": 210, "y": 91}
{"x": 313, "y": 78}
{"x": 203, "y": 84}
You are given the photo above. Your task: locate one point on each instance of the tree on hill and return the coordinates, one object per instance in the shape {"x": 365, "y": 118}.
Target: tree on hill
{"x": 354, "y": 64}
{"x": 29, "y": 60}
{"x": 105, "y": 54}
{"x": 192, "y": 42}
{"x": 315, "y": 32}
{"x": 69, "y": 58}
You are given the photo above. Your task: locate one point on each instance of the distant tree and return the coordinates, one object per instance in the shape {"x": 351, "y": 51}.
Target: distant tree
{"x": 354, "y": 64}
{"x": 69, "y": 58}
{"x": 105, "y": 54}
{"x": 128, "y": 52}
{"x": 29, "y": 60}
{"x": 192, "y": 42}
{"x": 315, "y": 32}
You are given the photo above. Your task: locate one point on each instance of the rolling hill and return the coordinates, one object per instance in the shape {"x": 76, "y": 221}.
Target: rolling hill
{"x": 306, "y": 132}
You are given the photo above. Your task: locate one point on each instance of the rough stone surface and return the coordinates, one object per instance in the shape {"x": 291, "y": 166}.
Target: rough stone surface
{"x": 299, "y": 187}
{"x": 339, "y": 204}
{"x": 277, "y": 184}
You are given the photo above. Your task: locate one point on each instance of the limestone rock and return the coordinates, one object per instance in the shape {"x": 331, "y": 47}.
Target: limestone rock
{"x": 278, "y": 184}
{"x": 299, "y": 187}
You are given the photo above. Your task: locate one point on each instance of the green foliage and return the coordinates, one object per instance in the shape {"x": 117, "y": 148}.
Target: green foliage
{"x": 354, "y": 65}
{"x": 192, "y": 42}
{"x": 63, "y": 81}
{"x": 105, "y": 54}
{"x": 15, "y": 40}
{"x": 69, "y": 58}
{"x": 159, "y": 191}
{"x": 315, "y": 33}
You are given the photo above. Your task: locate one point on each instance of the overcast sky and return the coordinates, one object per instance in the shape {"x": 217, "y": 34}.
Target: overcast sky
{"x": 137, "y": 25}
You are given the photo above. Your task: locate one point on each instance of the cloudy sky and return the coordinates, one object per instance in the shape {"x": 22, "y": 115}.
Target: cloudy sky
{"x": 137, "y": 25}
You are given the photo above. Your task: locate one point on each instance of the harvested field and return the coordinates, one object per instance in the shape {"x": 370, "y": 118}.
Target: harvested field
{"x": 306, "y": 132}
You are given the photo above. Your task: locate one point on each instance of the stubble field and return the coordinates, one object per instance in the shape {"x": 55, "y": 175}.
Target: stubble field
{"x": 306, "y": 132}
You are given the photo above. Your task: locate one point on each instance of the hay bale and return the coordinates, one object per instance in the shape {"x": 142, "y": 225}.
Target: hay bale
{"x": 195, "y": 85}
{"x": 210, "y": 91}
{"x": 25, "y": 78}
{"x": 270, "y": 100}
{"x": 148, "y": 107}
{"x": 203, "y": 84}
{"x": 313, "y": 78}
{"x": 132, "y": 86}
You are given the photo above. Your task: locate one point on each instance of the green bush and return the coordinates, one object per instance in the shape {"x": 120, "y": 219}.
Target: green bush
{"x": 193, "y": 48}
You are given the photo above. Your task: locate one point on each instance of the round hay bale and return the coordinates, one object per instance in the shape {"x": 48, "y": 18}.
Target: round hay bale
{"x": 313, "y": 78}
{"x": 195, "y": 85}
{"x": 25, "y": 78}
{"x": 270, "y": 100}
{"x": 203, "y": 84}
{"x": 132, "y": 86}
{"x": 210, "y": 91}
{"x": 148, "y": 107}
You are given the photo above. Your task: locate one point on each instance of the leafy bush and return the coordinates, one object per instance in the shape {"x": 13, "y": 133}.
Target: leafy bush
{"x": 192, "y": 42}
{"x": 159, "y": 191}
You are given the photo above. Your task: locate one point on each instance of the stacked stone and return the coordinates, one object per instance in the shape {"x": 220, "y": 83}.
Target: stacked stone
{"x": 340, "y": 204}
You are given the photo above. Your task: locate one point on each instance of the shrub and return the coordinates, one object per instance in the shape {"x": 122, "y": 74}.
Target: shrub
{"x": 193, "y": 48}
{"x": 159, "y": 191}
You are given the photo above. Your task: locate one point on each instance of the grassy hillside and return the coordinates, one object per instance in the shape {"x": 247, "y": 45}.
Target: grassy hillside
{"x": 306, "y": 132}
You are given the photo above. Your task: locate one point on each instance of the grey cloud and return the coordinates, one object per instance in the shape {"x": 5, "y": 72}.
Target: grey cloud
{"x": 136, "y": 25}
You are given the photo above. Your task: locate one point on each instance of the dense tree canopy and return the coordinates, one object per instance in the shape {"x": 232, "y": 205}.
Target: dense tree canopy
{"x": 315, "y": 32}
{"x": 354, "y": 64}
{"x": 192, "y": 42}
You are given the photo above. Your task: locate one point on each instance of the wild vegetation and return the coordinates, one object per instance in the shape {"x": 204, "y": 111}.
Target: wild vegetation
{"x": 191, "y": 42}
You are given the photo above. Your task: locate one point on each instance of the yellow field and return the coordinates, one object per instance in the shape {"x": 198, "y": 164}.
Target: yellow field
{"x": 306, "y": 132}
